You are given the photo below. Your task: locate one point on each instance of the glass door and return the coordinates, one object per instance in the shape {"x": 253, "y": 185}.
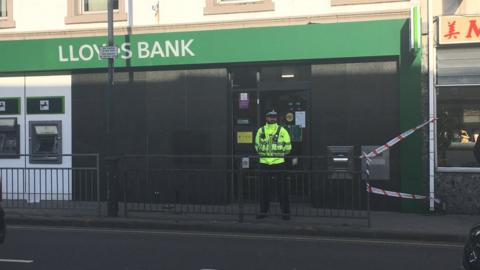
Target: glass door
{"x": 292, "y": 109}
{"x": 249, "y": 108}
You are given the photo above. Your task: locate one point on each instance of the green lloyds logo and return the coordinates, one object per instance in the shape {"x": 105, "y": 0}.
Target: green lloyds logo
{"x": 142, "y": 50}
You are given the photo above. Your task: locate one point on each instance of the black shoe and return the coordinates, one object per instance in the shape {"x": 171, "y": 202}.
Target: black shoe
{"x": 286, "y": 217}
{"x": 260, "y": 216}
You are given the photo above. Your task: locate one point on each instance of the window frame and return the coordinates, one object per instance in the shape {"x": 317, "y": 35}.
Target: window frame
{"x": 214, "y": 7}
{"x": 8, "y": 22}
{"x": 361, "y": 2}
{"x": 75, "y": 14}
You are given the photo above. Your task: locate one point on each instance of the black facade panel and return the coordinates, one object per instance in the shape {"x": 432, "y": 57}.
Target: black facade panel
{"x": 128, "y": 115}
{"x": 165, "y": 105}
{"x": 187, "y": 103}
{"x": 88, "y": 113}
{"x": 181, "y": 112}
{"x": 149, "y": 110}
{"x": 357, "y": 104}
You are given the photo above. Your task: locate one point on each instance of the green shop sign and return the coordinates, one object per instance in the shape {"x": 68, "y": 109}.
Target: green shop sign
{"x": 301, "y": 42}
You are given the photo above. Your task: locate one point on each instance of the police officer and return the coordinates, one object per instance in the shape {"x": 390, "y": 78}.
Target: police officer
{"x": 272, "y": 143}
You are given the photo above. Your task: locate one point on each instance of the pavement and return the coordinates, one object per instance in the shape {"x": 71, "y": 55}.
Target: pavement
{"x": 383, "y": 225}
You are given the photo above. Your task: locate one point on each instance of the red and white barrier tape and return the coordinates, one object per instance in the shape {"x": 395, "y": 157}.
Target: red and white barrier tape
{"x": 377, "y": 151}
{"x": 389, "y": 193}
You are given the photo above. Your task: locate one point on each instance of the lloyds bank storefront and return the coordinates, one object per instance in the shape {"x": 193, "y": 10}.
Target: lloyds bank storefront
{"x": 204, "y": 93}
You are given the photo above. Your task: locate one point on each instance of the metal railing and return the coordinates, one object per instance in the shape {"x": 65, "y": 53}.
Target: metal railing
{"x": 221, "y": 185}
{"x": 72, "y": 184}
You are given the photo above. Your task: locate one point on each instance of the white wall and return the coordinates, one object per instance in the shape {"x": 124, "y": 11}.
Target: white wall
{"x": 47, "y": 86}
{"x": 28, "y": 184}
{"x": 14, "y": 87}
{"x": 42, "y": 15}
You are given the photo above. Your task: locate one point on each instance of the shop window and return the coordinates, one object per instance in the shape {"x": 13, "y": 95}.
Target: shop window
{"x": 458, "y": 126}
{"x": 97, "y": 5}
{"x": 3, "y": 8}
{"x": 358, "y": 2}
{"x": 6, "y": 14}
{"x": 92, "y": 11}
{"x": 237, "y": 6}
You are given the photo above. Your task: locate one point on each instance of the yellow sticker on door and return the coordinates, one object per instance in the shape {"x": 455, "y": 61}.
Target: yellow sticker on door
{"x": 244, "y": 137}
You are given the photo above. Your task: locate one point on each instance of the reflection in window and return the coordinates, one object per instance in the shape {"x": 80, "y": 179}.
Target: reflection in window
{"x": 3, "y": 8}
{"x": 458, "y": 127}
{"x": 97, "y": 5}
{"x": 93, "y": 11}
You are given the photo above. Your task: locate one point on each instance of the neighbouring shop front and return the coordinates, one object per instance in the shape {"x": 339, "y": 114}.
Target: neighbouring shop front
{"x": 458, "y": 110}
{"x": 346, "y": 85}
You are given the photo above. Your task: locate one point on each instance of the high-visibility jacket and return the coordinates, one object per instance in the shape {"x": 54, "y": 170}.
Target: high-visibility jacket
{"x": 272, "y": 143}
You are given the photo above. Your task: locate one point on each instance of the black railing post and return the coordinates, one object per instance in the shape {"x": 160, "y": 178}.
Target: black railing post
{"x": 367, "y": 184}
{"x": 112, "y": 186}
{"x": 99, "y": 204}
{"x": 240, "y": 196}
{"x": 125, "y": 201}
{"x": 241, "y": 210}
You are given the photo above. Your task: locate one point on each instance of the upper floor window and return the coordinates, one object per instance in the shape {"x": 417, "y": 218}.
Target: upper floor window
{"x": 6, "y": 14}
{"x": 97, "y": 5}
{"x": 3, "y": 8}
{"x": 92, "y": 11}
{"x": 237, "y": 6}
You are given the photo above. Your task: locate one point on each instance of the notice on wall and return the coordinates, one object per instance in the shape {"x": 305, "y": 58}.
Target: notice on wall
{"x": 244, "y": 137}
{"x": 300, "y": 119}
{"x": 243, "y": 101}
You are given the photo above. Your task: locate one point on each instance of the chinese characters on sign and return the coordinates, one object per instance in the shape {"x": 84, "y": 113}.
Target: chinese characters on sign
{"x": 459, "y": 29}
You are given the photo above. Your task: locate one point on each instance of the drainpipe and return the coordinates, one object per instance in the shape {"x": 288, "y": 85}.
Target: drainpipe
{"x": 431, "y": 105}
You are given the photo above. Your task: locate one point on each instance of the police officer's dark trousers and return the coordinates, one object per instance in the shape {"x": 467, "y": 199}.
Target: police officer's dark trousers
{"x": 269, "y": 175}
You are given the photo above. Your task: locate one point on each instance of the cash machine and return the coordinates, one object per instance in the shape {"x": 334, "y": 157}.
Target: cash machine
{"x": 9, "y": 137}
{"x": 45, "y": 142}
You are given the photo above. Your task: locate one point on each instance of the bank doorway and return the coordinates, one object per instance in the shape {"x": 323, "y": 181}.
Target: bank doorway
{"x": 248, "y": 115}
